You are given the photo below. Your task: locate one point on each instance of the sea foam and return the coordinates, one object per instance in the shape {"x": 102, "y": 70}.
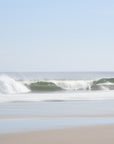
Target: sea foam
{"x": 10, "y": 86}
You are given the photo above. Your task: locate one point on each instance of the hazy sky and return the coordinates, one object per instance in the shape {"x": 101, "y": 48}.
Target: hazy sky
{"x": 57, "y": 35}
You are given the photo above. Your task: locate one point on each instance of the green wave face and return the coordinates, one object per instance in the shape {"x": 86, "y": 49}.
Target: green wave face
{"x": 43, "y": 87}
{"x": 46, "y": 86}
{"x": 97, "y": 85}
{"x": 104, "y": 80}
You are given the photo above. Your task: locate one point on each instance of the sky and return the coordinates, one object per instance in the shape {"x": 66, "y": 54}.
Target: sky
{"x": 56, "y": 35}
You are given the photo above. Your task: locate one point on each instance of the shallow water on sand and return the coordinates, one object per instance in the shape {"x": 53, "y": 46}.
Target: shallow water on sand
{"x": 56, "y": 109}
{"x": 16, "y": 126}
{"x": 35, "y": 116}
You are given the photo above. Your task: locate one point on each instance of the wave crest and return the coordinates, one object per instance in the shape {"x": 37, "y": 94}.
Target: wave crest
{"x": 44, "y": 86}
{"x": 72, "y": 85}
{"x": 10, "y": 86}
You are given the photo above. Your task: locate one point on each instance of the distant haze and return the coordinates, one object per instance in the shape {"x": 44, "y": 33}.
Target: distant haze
{"x": 57, "y": 35}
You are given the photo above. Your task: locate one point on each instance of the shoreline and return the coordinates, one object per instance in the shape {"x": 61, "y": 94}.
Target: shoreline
{"x": 89, "y": 134}
{"x": 57, "y": 118}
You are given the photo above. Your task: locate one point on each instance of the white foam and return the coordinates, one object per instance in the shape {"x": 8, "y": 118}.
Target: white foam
{"x": 74, "y": 84}
{"x": 106, "y": 84}
{"x": 91, "y": 95}
{"x": 10, "y": 86}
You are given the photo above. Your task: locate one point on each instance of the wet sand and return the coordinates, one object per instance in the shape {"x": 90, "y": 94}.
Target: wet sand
{"x": 47, "y": 113}
{"x": 78, "y": 135}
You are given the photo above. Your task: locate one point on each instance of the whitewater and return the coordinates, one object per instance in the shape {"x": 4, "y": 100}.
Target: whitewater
{"x": 56, "y": 87}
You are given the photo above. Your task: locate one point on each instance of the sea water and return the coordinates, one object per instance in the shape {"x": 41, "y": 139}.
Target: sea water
{"x": 53, "y": 86}
{"x": 26, "y": 97}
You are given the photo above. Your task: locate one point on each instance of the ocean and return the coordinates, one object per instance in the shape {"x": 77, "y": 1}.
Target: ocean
{"x": 42, "y": 101}
{"x": 56, "y": 86}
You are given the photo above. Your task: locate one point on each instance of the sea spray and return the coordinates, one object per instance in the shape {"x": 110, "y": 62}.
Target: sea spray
{"x": 10, "y": 86}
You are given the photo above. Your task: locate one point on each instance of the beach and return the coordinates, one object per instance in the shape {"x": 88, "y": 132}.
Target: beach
{"x": 57, "y": 72}
{"x": 82, "y": 122}
{"x": 84, "y": 135}
{"x": 52, "y": 108}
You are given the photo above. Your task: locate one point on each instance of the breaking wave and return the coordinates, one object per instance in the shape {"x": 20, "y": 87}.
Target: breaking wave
{"x": 72, "y": 85}
{"x": 10, "y": 86}
{"x": 42, "y": 86}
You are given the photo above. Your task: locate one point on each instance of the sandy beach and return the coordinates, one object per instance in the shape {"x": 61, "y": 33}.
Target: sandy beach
{"x": 77, "y": 122}
{"x": 57, "y": 72}
{"x": 83, "y": 135}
